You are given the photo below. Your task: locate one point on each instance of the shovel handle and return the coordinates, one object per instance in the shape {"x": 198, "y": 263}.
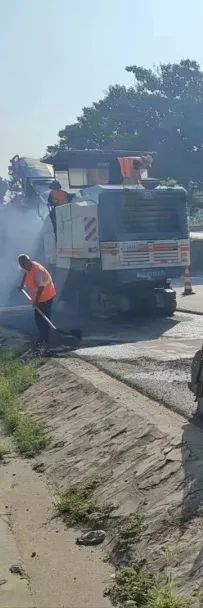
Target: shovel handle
{"x": 38, "y": 309}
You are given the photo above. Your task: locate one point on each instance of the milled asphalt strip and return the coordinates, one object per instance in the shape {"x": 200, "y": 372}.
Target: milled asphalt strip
{"x": 127, "y": 383}
{"x": 130, "y": 398}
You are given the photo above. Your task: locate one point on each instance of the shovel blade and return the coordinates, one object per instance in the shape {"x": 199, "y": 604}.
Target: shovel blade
{"x": 72, "y": 333}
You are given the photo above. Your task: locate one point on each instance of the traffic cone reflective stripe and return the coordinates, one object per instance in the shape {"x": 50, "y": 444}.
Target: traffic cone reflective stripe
{"x": 187, "y": 283}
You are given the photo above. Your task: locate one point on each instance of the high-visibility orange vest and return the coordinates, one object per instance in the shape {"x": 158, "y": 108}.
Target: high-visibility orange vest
{"x": 126, "y": 166}
{"x": 49, "y": 290}
{"x": 131, "y": 166}
{"x": 59, "y": 197}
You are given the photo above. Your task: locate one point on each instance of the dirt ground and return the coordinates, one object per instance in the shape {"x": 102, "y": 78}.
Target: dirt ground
{"x": 152, "y": 459}
{"x": 152, "y": 462}
{"x": 55, "y": 571}
{"x": 51, "y": 569}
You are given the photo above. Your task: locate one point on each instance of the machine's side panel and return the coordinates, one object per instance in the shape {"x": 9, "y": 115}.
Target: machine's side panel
{"x": 85, "y": 230}
{"x": 49, "y": 243}
{"x": 64, "y": 236}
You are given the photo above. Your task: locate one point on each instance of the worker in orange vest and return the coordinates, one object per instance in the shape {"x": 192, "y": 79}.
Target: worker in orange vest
{"x": 40, "y": 286}
{"x": 56, "y": 197}
{"x": 132, "y": 166}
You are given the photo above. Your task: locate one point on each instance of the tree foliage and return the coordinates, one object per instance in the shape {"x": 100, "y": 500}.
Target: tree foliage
{"x": 3, "y": 188}
{"x": 161, "y": 112}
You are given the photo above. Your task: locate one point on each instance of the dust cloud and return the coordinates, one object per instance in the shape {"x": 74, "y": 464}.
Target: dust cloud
{"x": 20, "y": 232}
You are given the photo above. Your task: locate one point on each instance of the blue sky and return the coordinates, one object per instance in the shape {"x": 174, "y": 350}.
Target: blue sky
{"x": 58, "y": 55}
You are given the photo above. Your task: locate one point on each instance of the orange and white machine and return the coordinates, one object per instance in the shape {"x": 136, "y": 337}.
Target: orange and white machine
{"x": 118, "y": 246}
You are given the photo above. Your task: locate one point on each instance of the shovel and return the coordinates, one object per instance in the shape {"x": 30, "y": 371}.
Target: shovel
{"x": 73, "y": 333}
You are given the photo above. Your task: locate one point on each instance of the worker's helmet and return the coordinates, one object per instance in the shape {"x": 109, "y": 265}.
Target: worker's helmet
{"x": 56, "y": 185}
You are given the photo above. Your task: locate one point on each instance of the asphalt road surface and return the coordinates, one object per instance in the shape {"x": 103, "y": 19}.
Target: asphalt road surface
{"x": 153, "y": 355}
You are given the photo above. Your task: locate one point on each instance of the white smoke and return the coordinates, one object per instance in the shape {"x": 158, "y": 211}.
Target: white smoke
{"x": 19, "y": 233}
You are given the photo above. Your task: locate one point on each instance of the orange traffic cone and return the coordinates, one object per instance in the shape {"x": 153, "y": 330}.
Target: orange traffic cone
{"x": 187, "y": 283}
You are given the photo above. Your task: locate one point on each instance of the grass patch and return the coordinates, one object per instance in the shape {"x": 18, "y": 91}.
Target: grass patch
{"x": 3, "y": 451}
{"x": 166, "y": 598}
{"x": 131, "y": 528}
{"x": 127, "y": 534}
{"x": 131, "y": 586}
{"x": 78, "y": 506}
{"x": 15, "y": 378}
{"x": 133, "y": 589}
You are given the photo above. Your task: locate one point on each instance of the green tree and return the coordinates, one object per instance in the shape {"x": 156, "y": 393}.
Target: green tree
{"x": 3, "y": 188}
{"x": 15, "y": 184}
{"x": 162, "y": 112}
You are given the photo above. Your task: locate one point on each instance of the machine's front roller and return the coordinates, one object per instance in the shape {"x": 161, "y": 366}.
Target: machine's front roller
{"x": 129, "y": 300}
{"x": 196, "y": 384}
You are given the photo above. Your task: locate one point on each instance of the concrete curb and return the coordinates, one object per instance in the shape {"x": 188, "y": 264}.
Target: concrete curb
{"x": 189, "y": 312}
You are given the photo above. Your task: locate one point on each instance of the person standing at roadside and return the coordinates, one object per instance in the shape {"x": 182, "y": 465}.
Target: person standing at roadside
{"x": 40, "y": 286}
